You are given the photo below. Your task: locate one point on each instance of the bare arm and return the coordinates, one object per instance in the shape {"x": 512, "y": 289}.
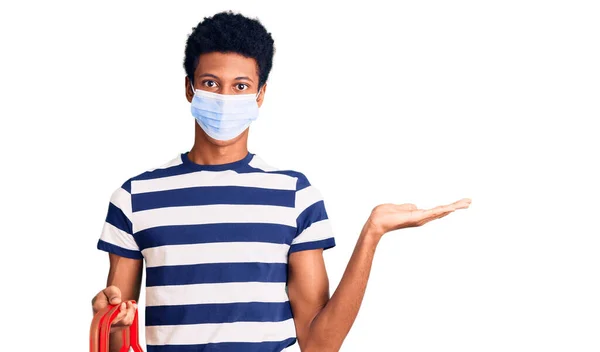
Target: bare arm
{"x": 322, "y": 324}
{"x": 123, "y": 284}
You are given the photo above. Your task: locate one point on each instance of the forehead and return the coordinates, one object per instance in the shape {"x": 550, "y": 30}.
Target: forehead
{"x": 227, "y": 65}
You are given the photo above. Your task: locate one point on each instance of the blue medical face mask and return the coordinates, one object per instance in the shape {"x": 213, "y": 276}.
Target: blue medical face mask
{"x": 222, "y": 116}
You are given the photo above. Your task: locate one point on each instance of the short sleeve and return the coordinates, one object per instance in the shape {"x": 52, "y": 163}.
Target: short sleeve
{"x": 117, "y": 233}
{"x": 313, "y": 228}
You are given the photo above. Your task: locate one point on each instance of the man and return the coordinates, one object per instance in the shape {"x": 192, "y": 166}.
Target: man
{"x": 233, "y": 246}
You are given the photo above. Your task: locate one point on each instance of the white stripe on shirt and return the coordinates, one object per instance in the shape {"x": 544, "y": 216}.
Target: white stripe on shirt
{"x": 118, "y": 237}
{"x": 219, "y": 252}
{"x": 207, "y": 178}
{"x": 307, "y": 197}
{"x": 213, "y": 214}
{"x": 224, "y": 332}
{"x": 122, "y": 200}
{"x": 230, "y": 292}
{"x": 317, "y": 231}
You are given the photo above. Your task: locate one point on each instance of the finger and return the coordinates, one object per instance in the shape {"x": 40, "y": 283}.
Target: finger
{"x": 103, "y": 298}
{"x": 125, "y": 317}
{"x": 433, "y": 217}
{"x": 125, "y": 320}
{"x": 113, "y": 294}
{"x": 130, "y": 313}
{"x": 416, "y": 214}
{"x": 99, "y": 301}
{"x": 440, "y": 216}
{"x": 438, "y": 210}
{"x": 462, "y": 204}
{"x": 122, "y": 314}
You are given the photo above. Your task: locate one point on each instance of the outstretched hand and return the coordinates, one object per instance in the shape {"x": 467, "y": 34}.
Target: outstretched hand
{"x": 389, "y": 217}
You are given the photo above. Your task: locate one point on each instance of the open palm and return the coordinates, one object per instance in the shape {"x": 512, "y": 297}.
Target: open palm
{"x": 388, "y": 217}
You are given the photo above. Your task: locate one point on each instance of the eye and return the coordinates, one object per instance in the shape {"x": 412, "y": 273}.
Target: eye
{"x": 241, "y": 86}
{"x": 209, "y": 83}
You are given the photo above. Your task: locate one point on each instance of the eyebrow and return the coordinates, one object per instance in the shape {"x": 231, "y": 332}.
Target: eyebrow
{"x": 244, "y": 77}
{"x": 237, "y": 78}
{"x": 208, "y": 75}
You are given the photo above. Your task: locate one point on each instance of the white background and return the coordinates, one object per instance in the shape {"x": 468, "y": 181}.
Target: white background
{"x": 426, "y": 102}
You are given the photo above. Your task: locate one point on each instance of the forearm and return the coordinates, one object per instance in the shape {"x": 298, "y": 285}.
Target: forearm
{"x": 126, "y": 274}
{"x": 331, "y": 325}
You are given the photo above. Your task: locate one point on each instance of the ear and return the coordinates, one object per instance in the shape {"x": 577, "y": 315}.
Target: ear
{"x": 261, "y": 96}
{"x": 189, "y": 94}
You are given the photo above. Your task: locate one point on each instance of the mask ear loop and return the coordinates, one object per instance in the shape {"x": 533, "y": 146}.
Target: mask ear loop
{"x": 258, "y": 93}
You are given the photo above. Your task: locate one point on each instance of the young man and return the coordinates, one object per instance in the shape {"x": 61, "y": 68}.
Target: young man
{"x": 233, "y": 246}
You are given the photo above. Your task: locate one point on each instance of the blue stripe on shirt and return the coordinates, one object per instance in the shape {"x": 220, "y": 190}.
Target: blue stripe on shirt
{"x": 216, "y": 273}
{"x": 212, "y": 195}
{"x": 111, "y": 248}
{"x": 127, "y": 186}
{"x": 210, "y": 233}
{"x": 160, "y": 173}
{"x": 313, "y": 213}
{"x": 325, "y": 244}
{"x": 117, "y": 218}
{"x": 218, "y": 313}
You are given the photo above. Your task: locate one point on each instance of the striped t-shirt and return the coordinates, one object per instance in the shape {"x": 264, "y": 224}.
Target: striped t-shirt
{"x": 215, "y": 240}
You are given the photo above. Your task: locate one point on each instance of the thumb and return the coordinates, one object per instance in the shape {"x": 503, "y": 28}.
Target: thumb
{"x": 113, "y": 294}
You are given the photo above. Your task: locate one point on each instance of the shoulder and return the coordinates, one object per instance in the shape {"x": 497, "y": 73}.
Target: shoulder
{"x": 257, "y": 163}
{"x": 164, "y": 168}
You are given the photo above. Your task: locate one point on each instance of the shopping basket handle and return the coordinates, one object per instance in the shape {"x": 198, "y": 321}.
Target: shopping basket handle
{"x": 100, "y": 331}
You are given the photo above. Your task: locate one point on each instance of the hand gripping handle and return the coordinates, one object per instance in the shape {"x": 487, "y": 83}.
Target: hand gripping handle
{"x": 100, "y": 331}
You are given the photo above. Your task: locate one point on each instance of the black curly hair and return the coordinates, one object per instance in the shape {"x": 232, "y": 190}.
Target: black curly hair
{"x": 230, "y": 32}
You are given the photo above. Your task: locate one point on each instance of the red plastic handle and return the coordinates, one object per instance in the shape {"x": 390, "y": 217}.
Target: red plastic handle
{"x": 100, "y": 331}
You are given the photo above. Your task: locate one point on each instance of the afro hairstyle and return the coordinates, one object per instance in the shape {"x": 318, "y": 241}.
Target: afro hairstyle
{"x": 230, "y": 32}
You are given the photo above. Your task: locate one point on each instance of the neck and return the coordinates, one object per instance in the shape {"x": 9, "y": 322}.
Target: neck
{"x": 207, "y": 152}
